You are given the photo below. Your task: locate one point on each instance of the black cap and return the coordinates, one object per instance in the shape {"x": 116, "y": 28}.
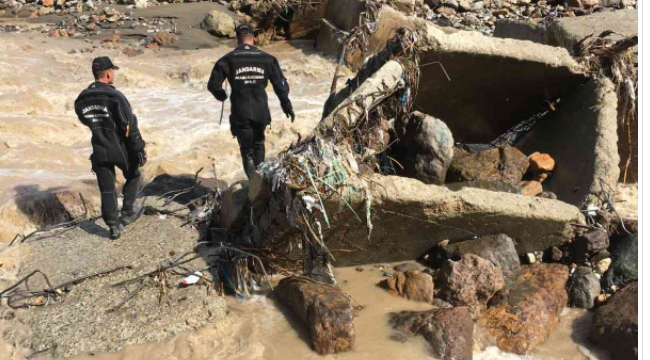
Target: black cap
{"x": 243, "y": 29}
{"x": 103, "y": 63}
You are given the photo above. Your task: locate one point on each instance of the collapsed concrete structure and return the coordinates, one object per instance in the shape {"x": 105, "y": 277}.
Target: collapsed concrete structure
{"x": 486, "y": 97}
{"x": 363, "y": 217}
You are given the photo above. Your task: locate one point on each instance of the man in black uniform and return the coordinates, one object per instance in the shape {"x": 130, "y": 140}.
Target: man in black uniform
{"x": 116, "y": 141}
{"x": 249, "y": 71}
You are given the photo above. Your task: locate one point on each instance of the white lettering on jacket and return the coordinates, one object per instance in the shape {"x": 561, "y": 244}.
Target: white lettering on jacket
{"x": 248, "y": 69}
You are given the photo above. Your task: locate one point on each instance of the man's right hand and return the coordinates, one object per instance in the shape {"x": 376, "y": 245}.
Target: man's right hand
{"x": 142, "y": 158}
{"x": 221, "y": 95}
{"x": 291, "y": 115}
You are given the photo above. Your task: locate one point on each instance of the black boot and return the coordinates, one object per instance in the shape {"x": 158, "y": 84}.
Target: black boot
{"x": 116, "y": 231}
{"x": 129, "y": 217}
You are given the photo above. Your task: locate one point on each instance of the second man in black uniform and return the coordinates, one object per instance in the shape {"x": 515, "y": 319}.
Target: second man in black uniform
{"x": 249, "y": 70}
{"x": 116, "y": 142}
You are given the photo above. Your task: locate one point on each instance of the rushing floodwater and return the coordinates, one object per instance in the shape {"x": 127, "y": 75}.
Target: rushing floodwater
{"x": 42, "y": 146}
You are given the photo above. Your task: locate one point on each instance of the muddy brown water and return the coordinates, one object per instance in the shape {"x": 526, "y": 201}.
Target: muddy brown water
{"x": 257, "y": 328}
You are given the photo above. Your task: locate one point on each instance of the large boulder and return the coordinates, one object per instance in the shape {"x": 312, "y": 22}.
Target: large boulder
{"x": 413, "y": 285}
{"x": 616, "y": 325}
{"x": 505, "y": 164}
{"x": 625, "y": 262}
{"x": 584, "y": 288}
{"x": 325, "y": 310}
{"x": 471, "y": 281}
{"x": 449, "y": 331}
{"x": 219, "y": 24}
{"x": 533, "y": 309}
{"x": 499, "y": 249}
{"x": 425, "y": 148}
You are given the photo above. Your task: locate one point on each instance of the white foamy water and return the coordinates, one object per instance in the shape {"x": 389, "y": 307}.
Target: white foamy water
{"x": 43, "y": 145}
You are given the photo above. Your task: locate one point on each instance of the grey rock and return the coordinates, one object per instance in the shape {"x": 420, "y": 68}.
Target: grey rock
{"x": 584, "y": 288}
{"x": 449, "y": 331}
{"x": 470, "y": 281}
{"x": 219, "y": 24}
{"x": 499, "y": 249}
{"x": 425, "y": 149}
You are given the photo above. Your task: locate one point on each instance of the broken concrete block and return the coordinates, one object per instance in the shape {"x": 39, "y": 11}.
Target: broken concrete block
{"x": 425, "y": 148}
{"x": 534, "y": 308}
{"x": 505, "y": 164}
{"x": 325, "y": 310}
{"x": 330, "y": 39}
{"x": 344, "y": 14}
{"x": 521, "y": 30}
{"x": 410, "y": 217}
{"x": 412, "y": 285}
{"x": 234, "y": 199}
{"x": 448, "y": 331}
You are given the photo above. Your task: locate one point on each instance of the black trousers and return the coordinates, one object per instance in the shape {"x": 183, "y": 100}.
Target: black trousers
{"x": 250, "y": 135}
{"x": 105, "y": 172}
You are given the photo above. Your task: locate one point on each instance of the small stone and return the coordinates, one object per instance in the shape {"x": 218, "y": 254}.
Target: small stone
{"x": 531, "y": 188}
{"x": 54, "y": 34}
{"x": 91, "y": 26}
{"x": 446, "y": 10}
{"x": 44, "y": 11}
{"x": 130, "y": 52}
{"x": 603, "y": 265}
{"x": 47, "y": 3}
{"x": 500, "y": 12}
{"x": 359, "y": 269}
{"x": 531, "y": 258}
{"x": 602, "y": 298}
{"x": 541, "y": 163}
{"x": 63, "y": 33}
{"x": 113, "y": 39}
{"x": 387, "y": 274}
{"x": 548, "y": 195}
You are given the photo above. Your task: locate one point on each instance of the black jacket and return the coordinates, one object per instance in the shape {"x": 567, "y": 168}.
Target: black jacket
{"x": 108, "y": 114}
{"x": 249, "y": 71}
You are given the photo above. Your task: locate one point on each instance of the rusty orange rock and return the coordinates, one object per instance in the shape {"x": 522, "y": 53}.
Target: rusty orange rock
{"x": 540, "y": 163}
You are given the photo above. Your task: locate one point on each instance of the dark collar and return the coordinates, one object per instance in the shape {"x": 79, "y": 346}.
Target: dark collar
{"x": 98, "y": 84}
